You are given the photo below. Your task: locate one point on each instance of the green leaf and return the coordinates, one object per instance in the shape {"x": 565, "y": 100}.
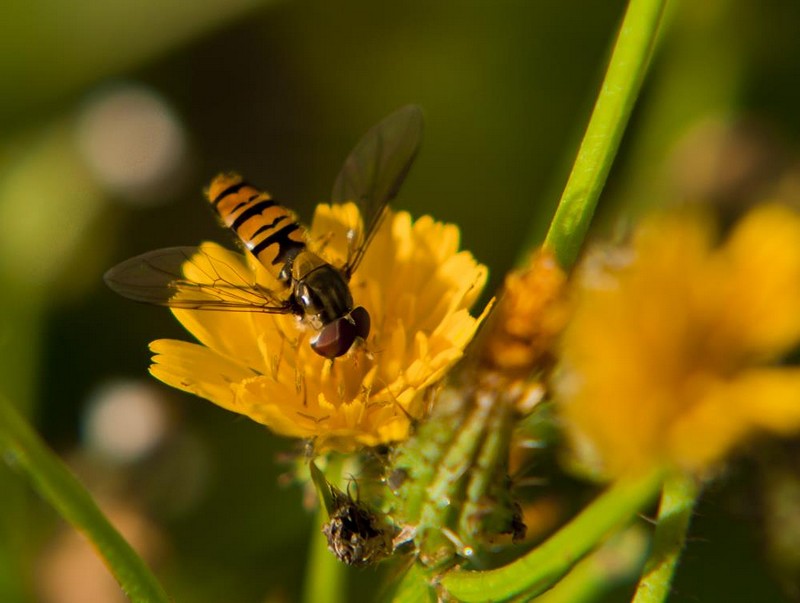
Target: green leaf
{"x": 23, "y": 450}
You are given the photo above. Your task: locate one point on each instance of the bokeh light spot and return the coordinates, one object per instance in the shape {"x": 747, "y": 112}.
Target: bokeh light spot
{"x": 125, "y": 421}
{"x": 132, "y": 141}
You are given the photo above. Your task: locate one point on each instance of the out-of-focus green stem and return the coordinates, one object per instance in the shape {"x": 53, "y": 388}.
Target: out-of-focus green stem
{"x": 414, "y": 587}
{"x": 700, "y": 81}
{"x": 23, "y": 309}
{"x": 542, "y": 567}
{"x": 674, "y": 514}
{"x": 324, "y": 581}
{"x": 617, "y": 561}
{"x": 325, "y": 574}
{"x": 620, "y": 88}
{"x": 22, "y": 448}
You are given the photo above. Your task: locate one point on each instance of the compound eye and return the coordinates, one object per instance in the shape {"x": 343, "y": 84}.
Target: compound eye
{"x": 335, "y": 338}
{"x": 362, "y": 321}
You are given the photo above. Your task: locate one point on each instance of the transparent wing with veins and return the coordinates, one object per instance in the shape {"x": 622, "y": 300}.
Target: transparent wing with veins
{"x": 195, "y": 278}
{"x": 372, "y": 174}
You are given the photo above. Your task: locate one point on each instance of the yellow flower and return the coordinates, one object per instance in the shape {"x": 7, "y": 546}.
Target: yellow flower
{"x": 417, "y": 287}
{"x": 675, "y": 358}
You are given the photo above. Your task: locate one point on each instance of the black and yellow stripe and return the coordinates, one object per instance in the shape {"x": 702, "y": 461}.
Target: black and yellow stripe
{"x": 267, "y": 229}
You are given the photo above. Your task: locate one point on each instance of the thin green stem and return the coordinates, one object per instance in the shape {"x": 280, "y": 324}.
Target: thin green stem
{"x": 23, "y": 309}
{"x": 325, "y": 574}
{"x": 22, "y": 448}
{"x": 674, "y": 514}
{"x": 435, "y": 546}
{"x": 620, "y": 88}
{"x": 487, "y": 470}
{"x": 542, "y": 567}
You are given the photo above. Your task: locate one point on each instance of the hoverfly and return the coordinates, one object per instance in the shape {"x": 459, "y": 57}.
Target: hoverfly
{"x": 307, "y": 286}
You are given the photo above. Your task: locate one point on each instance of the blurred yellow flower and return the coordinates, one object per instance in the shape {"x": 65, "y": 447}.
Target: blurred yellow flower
{"x": 530, "y": 316}
{"x": 417, "y": 287}
{"x": 675, "y": 358}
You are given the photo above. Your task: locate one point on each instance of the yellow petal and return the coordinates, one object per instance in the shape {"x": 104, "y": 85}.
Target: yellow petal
{"x": 759, "y": 399}
{"x": 197, "y": 370}
{"x": 762, "y": 261}
{"x": 664, "y": 358}
{"x": 417, "y": 288}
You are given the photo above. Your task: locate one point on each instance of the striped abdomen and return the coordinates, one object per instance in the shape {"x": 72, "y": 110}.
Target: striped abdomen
{"x": 267, "y": 229}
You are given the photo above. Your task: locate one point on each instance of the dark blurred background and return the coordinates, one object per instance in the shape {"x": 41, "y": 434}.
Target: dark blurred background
{"x": 114, "y": 116}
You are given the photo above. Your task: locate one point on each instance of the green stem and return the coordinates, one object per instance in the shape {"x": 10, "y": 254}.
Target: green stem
{"x": 325, "y": 575}
{"x": 23, "y": 308}
{"x": 22, "y": 448}
{"x": 617, "y": 562}
{"x": 485, "y": 475}
{"x": 435, "y": 547}
{"x": 539, "y": 569}
{"x": 675, "y": 512}
{"x": 620, "y": 88}
{"x": 414, "y": 587}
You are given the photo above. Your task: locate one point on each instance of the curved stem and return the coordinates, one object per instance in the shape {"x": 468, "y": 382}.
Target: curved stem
{"x": 542, "y": 567}
{"x": 620, "y": 88}
{"x": 615, "y": 563}
{"x": 23, "y": 450}
{"x": 674, "y": 514}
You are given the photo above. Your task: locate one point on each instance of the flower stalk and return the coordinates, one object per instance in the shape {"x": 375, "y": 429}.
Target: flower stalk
{"x": 619, "y": 91}
{"x": 545, "y": 565}
{"x": 325, "y": 575}
{"x": 674, "y": 514}
{"x": 593, "y": 579}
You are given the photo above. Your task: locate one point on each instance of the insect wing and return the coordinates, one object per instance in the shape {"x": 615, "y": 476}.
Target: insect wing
{"x": 195, "y": 278}
{"x": 373, "y": 172}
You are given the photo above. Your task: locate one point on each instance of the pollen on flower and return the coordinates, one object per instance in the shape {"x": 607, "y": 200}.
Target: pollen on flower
{"x": 675, "y": 358}
{"x": 417, "y": 287}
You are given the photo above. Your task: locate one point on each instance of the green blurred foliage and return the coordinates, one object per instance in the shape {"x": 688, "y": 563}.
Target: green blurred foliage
{"x": 280, "y": 92}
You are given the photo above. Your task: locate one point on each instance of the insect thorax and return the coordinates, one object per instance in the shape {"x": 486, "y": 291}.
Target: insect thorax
{"x": 319, "y": 289}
